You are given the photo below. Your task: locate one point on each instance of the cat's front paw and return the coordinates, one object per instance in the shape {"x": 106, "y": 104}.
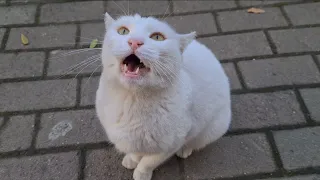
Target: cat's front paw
{"x": 128, "y": 163}
{"x": 184, "y": 153}
{"x": 139, "y": 175}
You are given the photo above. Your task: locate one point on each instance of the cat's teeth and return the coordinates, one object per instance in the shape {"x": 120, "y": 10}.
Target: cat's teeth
{"x": 137, "y": 70}
{"x": 125, "y": 68}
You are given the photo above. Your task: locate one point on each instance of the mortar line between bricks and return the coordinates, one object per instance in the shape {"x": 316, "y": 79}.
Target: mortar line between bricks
{"x": 45, "y": 65}
{"x": 5, "y": 123}
{"x": 316, "y": 61}
{"x": 286, "y": 17}
{"x": 303, "y": 107}
{"x": 55, "y": 150}
{"x": 181, "y": 168}
{"x": 271, "y": 43}
{"x": 38, "y": 13}
{"x": 37, "y": 124}
{"x": 275, "y": 152}
{"x": 5, "y": 39}
{"x": 217, "y": 22}
{"x": 171, "y": 8}
{"x": 237, "y": 2}
{"x": 78, "y": 91}
{"x": 77, "y": 37}
{"x": 82, "y": 164}
{"x": 240, "y": 76}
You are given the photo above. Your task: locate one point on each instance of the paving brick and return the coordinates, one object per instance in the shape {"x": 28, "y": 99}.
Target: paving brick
{"x": 88, "y": 90}
{"x": 73, "y": 11}
{"x": 302, "y": 14}
{"x": 69, "y": 128}
{"x": 62, "y": 166}
{"x": 299, "y": 148}
{"x": 263, "y": 2}
{"x": 92, "y": 31}
{"x": 17, "y": 14}
{"x": 242, "y": 20}
{"x": 144, "y": 8}
{"x": 191, "y": 6}
{"x": 311, "y": 98}
{"x": 106, "y": 164}
{"x": 2, "y": 1}
{"x": 43, "y": 37}
{"x": 37, "y": 95}
{"x": 279, "y": 71}
{"x": 306, "y": 177}
{"x": 17, "y": 135}
{"x": 238, "y": 45}
{"x": 233, "y": 77}
{"x": 231, "y": 156}
{"x": 296, "y": 40}
{"x": 265, "y": 109}
{"x": 202, "y": 23}
{"x": 63, "y": 62}
{"x": 25, "y": 64}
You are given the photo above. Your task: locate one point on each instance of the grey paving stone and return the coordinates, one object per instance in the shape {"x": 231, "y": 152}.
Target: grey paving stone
{"x": 306, "y": 177}
{"x": 238, "y": 45}
{"x": 299, "y": 148}
{"x": 106, "y": 164}
{"x": 63, "y": 62}
{"x": 200, "y": 5}
{"x": 73, "y": 11}
{"x": 1, "y": 121}
{"x": 17, "y": 14}
{"x": 296, "y": 40}
{"x": 2, "y": 1}
{"x": 25, "y": 64}
{"x": 69, "y": 128}
{"x": 61, "y": 166}
{"x": 202, "y": 23}
{"x": 144, "y": 8}
{"x": 92, "y": 31}
{"x": 17, "y": 135}
{"x": 242, "y": 20}
{"x": 264, "y": 2}
{"x": 302, "y": 14}
{"x": 233, "y": 77}
{"x": 279, "y": 71}
{"x": 43, "y": 37}
{"x": 88, "y": 90}
{"x": 231, "y": 156}
{"x": 262, "y": 110}
{"x": 311, "y": 98}
{"x": 37, "y": 95}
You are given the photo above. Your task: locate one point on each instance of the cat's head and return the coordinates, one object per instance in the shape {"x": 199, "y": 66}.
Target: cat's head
{"x": 142, "y": 52}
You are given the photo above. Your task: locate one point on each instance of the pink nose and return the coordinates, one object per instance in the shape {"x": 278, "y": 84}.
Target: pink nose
{"x": 134, "y": 44}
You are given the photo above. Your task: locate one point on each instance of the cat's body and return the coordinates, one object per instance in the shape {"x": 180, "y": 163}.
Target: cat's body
{"x": 175, "y": 112}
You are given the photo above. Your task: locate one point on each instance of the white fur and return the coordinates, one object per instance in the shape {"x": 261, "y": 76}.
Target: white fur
{"x": 180, "y": 106}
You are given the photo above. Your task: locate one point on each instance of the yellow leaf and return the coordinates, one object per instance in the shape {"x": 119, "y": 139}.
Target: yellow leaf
{"x": 255, "y": 10}
{"x": 94, "y": 43}
{"x": 24, "y": 40}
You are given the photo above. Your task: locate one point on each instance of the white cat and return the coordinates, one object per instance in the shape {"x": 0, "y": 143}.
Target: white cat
{"x": 160, "y": 93}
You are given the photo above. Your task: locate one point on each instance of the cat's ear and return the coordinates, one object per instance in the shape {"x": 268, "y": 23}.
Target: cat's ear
{"x": 108, "y": 20}
{"x": 186, "y": 39}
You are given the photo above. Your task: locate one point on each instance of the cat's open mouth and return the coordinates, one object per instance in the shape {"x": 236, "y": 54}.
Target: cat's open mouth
{"x": 131, "y": 66}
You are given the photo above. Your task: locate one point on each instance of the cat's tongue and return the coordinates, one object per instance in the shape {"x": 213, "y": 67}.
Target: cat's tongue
{"x": 131, "y": 67}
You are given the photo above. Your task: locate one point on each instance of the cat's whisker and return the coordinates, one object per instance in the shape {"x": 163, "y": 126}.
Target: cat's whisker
{"x": 165, "y": 11}
{"x": 95, "y": 60}
{"x": 92, "y": 74}
{"x": 68, "y": 53}
{"x": 120, "y": 8}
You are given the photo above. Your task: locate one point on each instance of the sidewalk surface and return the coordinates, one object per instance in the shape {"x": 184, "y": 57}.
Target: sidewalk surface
{"x": 48, "y": 126}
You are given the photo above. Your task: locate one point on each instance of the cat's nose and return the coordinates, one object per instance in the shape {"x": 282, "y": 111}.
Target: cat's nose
{"x": 134, "y": 44}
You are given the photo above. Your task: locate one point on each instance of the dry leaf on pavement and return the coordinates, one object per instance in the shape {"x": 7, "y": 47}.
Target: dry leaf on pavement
{"x": 255, "y": 10}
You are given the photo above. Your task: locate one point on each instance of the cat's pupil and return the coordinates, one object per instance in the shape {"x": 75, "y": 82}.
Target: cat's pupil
{"x": 124, "y": 31}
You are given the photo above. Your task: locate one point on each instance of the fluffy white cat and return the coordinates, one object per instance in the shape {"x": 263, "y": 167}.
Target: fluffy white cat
{"x": 161, "y": 93}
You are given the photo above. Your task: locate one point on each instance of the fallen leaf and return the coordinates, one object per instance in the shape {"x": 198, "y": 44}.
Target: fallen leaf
{"x": 255, "y": 10}
{"x": 94, "y": 43}
{"x": 24, "y": 40}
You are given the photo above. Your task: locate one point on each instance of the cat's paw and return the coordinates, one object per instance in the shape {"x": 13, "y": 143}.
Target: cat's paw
{"x": 139, "y": 175}
{"x": 128, "y": 163}
{"x": 184, "y": 153}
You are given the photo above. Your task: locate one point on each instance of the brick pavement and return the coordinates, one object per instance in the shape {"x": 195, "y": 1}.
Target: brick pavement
{"x": 48, "y": 127}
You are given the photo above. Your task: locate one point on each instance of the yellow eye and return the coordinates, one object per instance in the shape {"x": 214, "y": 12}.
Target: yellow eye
{"x": 123, "y": 31}
{"x": 157, "y": 37}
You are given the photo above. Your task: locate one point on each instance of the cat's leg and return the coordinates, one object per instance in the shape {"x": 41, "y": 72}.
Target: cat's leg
{"x": 148, "y": 163}
{"x": 184, "y": 152}
{"x": 130, "y": 161}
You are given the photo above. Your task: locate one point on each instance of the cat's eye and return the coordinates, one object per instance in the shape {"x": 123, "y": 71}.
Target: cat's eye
{"x": 157, "y": 37}
{"x": 123, "y": 30}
